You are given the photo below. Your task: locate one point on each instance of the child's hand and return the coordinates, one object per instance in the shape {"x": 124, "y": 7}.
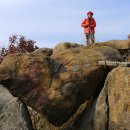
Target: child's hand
{"x": 86, "y": 26}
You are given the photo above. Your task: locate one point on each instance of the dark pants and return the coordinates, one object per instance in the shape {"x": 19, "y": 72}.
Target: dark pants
{"x": 90, "y": 36}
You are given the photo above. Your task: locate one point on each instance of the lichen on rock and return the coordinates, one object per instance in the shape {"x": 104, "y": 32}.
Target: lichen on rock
{"x": 57, "y": 85}
{"x": 13, "y": 113}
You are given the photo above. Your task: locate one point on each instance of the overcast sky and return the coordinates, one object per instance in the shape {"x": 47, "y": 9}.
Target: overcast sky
{"x": 49, "y": 22}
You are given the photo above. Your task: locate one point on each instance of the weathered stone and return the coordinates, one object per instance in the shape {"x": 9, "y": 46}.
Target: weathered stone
{"x": 40, "y": 123}
{"x": 128, "y": 59}
{"x": 111, "y": 110}
{"x": 118, "y": 44}
{"x": 118, "y": 101}
{"x": 46, "y": 51}
{"x": 101, "y": 118}
{"x": 13, "y": 113}
{"x": 56, "y": 86}
{"x": 65, "y": 45}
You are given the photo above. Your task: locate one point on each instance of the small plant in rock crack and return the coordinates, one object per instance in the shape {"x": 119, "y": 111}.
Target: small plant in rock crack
{"x": 18, "y": 44}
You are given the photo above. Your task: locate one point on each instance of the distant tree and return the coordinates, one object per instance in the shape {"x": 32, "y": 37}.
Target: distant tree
{"x": 18, "y": 44}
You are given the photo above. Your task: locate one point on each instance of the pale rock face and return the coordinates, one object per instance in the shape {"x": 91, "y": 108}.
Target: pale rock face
{"x": 13, "y": 113}
{"x": 118, "y": 44}
{"x": 111, "y": 110}
{"x": 118, "y": 84}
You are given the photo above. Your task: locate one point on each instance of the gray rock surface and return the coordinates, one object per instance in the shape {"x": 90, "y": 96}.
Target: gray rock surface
{"x": 13, "y": 113}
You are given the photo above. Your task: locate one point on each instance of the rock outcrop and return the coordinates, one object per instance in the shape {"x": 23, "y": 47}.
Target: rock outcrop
{"x": 111, "y": 110}
{"x": 13, "y": 113}
{"x": 118, "y": 44}
{"x": 117, "y": 103}
{"x": 57, "y": 85}
{"x": 46, "y": 51}
{"x": 65, "y": 45}
{"x": 40, "y": 123}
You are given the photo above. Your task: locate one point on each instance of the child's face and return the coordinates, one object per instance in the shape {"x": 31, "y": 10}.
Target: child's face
{"x": 89, "y": 16}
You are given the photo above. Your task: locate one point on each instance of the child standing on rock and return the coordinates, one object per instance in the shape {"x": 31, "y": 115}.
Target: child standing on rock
{"x": 89, "y": 25}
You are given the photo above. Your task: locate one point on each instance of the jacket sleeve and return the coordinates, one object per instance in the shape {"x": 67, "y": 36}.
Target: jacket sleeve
{"x": 94, "y": 24}
{"x": 83, "y": 23}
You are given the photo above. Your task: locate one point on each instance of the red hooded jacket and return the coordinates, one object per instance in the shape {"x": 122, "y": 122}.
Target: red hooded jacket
{"x": 91, "y": 22}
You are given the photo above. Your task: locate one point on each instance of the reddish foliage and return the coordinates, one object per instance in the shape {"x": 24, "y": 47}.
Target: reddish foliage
{"x": 18, "y": 44}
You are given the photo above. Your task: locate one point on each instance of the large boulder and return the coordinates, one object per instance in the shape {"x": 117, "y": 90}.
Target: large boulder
{"x": 65, "y": 45}
{"x": 46, "y": 51}
{"x": 118, "y": 44}
{"x": 116, "y": 115}
{"x": 111, "y": 110}
{"x": 13, "y": 113}
{"x": 40, "y": 123}
{"x": 56, "y": 86}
